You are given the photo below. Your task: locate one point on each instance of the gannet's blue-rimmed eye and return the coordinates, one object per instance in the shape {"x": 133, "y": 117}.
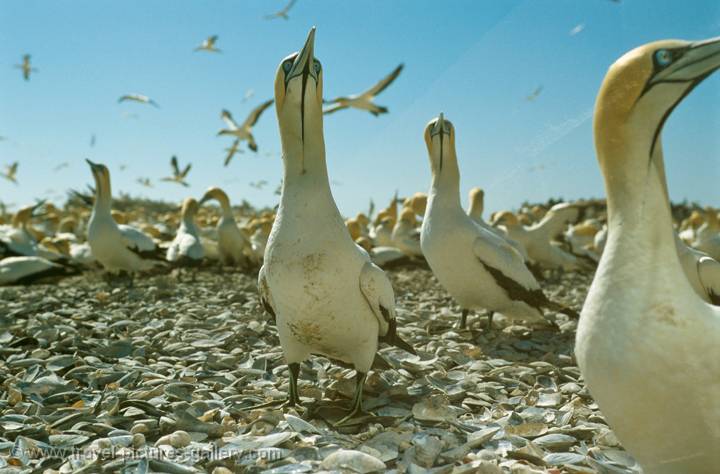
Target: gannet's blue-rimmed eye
{"x": 663, "y": 57}
{"x": 287, "y": 65}
{"x": 317, "y": 67}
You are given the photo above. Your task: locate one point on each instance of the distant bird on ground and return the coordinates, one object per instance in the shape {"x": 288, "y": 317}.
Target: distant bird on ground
{"x": 231, "y": 150}
{"x": 62, "y": 165}
{"x": 364, "y": 101}
{"x": 26, "y": 67}
{"x": 178, "y": 176}
{"x": 28, "y": 270}
{"x": 477, "y": 267}
{"x": 139, "y": 98}
{"x": 258, "y": 184}
{"x": 209, "y": 45}
{"x": 534, "y": 94}
{"x": 145, "y": 182}
{"x": 11, "y": 172}
{"x": 116, "y": 247}
{"x": 282, "y": 13}
{"x": 244, "y": 131}
{"x": 186, "y": 249}
{"x": 233, "y": 245}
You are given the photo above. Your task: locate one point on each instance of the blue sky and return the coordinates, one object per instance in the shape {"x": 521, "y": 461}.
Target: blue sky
{"x": 474, "y": 60}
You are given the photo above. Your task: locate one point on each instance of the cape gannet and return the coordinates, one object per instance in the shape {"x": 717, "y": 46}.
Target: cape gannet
{"x": 26, "y": 67}
{"x": 328, "y": 298}
{"x": 178, "y": 176}
{"x": 27, "y": 270}
{"x": 232, "y": 150}
{"x": 406, "y": 235}
{"x": 282, "y": 13}
{"x": 186, "y": 249}
{"x": 707, "y": 237}
{"x": 233, "y": 246}
{"x": 478, "y": 268}
{"x": 16, "y": 239}
{"x": 10, "y": 172}
{"x": 476, "y": 197}
{"x": 647, "y": 345}
{"x": 243, "y": 131}
{"x": 116, "y": 247}
{"x": 364, "y": 101}
{"x": 208, "y": 45}
{"x": 139, "y": 98}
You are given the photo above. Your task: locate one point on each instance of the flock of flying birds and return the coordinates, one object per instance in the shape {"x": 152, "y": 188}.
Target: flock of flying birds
{"x": 649, "y": 331}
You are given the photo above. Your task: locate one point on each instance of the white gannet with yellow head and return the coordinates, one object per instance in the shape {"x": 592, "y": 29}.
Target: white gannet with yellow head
{"x": 476, "y": 197}
{"x": 326, "y": 295}
{"x": 647, "y": 344}
{"x": 186, "y": 248}
{"x": 117, "y": 247}
{"x": 233, "y": 245}
{"x": 478, "y": 268}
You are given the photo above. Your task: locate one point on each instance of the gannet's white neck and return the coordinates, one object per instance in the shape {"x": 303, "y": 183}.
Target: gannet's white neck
{"x": 103, "y": 196}
{"x": 445, "y": 187}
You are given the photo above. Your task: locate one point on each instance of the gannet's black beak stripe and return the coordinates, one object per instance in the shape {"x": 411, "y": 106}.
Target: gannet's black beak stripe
{"x": 303, "y": 67}
{"x": 440, "y": 128}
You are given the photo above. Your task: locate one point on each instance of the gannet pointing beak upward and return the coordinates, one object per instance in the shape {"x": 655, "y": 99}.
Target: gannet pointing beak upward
{"x": 647, "y": 344}
{"x": 326, "y": 295}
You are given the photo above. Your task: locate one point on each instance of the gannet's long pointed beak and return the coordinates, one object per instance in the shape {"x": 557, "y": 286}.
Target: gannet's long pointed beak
{"x": 304, "y": 60}
{"x": 700, "y": 60}
{"x": 93, "y": 166}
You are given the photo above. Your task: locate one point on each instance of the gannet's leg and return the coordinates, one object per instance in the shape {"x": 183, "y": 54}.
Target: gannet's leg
{"x": 356, "y": 408}
{"x": 294, "y": 398}
{"x": 490, "y": 319}
{"x": 463, "y": 318}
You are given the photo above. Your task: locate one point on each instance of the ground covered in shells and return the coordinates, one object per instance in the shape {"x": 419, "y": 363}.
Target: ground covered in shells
{"x": 163, "y": 377}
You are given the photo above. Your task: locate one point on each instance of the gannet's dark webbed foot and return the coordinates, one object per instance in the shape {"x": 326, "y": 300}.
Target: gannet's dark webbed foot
{"x": 463, "y": 319}
{"x": 356, "y": 409}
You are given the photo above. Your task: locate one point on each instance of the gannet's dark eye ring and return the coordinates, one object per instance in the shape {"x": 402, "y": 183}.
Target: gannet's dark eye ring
{"x": 663, "y": 57}
{"x": 287, "y": 65}
{"x": 317, "y": 67}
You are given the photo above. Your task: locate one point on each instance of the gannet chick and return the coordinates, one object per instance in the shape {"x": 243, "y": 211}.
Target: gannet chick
{"x": 478, "y": 268}
{"x": 178, "y": 176}
{"x": 233, "y": 246}
{"x": 26, "y": 67}
{"x": 139, "y": 98}
{"x": 282, "y": 13}
{"x": 243, "y": 132}
{"x": 406, "y": 235}
{"x": 328, "y": 298}
{"x": 116, "y": 247}
{"x": 28, "y": 270}
{"x": 186, "y": 249}
{"x": 364, "y": 101}
{"x": 646, "y": 344}
{"x": 10, "y": 172}
{"x": 208, "y": 45}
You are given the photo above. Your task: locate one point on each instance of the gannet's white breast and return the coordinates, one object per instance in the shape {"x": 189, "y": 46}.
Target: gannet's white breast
{"x": 185, "y": 244}
{"x": 448, "y": 241}
{"x": 649, "y": 349}
{"x": 407, "y": 238}
{"x": 15, "y": 269}
{"x": 313, "y": 270}
{"x": 232, "y": 243}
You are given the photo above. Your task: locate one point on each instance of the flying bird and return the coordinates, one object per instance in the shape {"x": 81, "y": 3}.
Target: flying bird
{"x": 248, "y": 93}
{"x": 258, "y": 184}
{"x": 10, "y": 172}
{"x": 178, "y": 176}
{"x": 209, "y": 45}
{"x": 62, "y": 165}
{"x": 139, "y": 98}
{"x": 534, "y": 94}
{"x": 577, "y": 29}
{"x": 282, "y": 13}
{"x": 234, "y": 148}
{"x": 244, "y": 131}
{"x": 364, "y": 101}
{"x": 26, "y": 67}
{"x": 145, "y": 182}
{"x": 92, "y": 140}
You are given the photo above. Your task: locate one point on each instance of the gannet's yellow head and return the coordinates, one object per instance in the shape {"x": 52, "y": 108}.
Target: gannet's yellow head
{"x": 214, "y": 193}
{"x": 22, "y": 216}
{"x": 362, "y": 220}
{"x": 440, "y": 141}
{"x": 354, "y": 228}
{"x": 418, "y": 203}
{"x": 640, "y": 91}
{"x": 505, "y": 218}
{"x": 298, "y": 96}
{"x": 189, "y": 208}
{"x": 407, "y": 216}
{"x": 119, "y": 217}
{"x": 102, "y": 177}
{"x": 477, "y": 199}
{"x": 365, "y": 243}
